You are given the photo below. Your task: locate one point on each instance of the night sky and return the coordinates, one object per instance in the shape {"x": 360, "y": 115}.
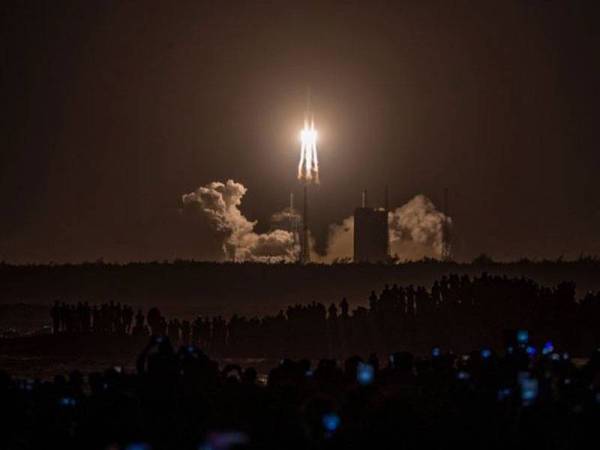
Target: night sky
{"x": 111, "y": 110}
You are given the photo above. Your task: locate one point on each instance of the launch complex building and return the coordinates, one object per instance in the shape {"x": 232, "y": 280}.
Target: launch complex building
{"x": 371, "y": 232}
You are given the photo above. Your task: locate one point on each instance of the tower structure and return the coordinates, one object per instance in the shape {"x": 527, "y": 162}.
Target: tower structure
{"x": 294, "y": 222}
{"x": 305, "y": 241}
{"x": 371, "y": 233}
{"x": 447, "y": 243}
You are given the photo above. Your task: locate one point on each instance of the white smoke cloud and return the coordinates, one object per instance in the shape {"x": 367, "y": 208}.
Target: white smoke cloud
{"x": 340, "y": 241}
{"x": 287, "y": 218}
{"x": 416, "y": 229}
{"x": 219, "y": 203}
{"x": 416, "y": 232}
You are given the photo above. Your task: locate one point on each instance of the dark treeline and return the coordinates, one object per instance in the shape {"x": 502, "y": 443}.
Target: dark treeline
{"x": 186, "y": 289}
{"x": 460, "y": 311}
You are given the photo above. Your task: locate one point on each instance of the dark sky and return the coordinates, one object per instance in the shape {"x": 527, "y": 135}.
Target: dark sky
{"x": 111, "y": 110}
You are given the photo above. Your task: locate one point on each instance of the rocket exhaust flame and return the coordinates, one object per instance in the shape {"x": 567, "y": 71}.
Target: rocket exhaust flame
{"x": 308, "y": 173}
{"x": 308, "y": 168}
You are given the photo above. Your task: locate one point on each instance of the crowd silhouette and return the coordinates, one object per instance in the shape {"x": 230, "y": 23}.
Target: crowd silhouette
{"x": 184, "y": 400}
{"x": 462, "y": 311}
{"x": 520, "y": 388}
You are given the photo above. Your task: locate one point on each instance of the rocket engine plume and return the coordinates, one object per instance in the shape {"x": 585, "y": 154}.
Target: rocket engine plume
{"x": 308, "y": 168}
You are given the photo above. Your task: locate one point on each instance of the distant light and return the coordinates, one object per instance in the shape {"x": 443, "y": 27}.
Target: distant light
{"x": 436, "y": 352}
{"x": 503, "y": 394}
{"x": 531, "y": 351}
{"x": 510, "y": 349}
{"x": 462, "y": 375}
{"x": 309, "y": 373}
{"x": 522, "y": 336}
{"x": 365, "y": 374}
{"x": 529, "y": 390}
{"x": 555, "y": 357}
{"x": 566, "y": 356}
{"x": 548, "y": 348}
{"x": 331, "y": 422}
{"x": 138, "y": 446}
{"x": 67, "y": 401}
{"x": 224, "y": 440}
{"x": 486, "y": 353}
{"x": 522, "y": 376}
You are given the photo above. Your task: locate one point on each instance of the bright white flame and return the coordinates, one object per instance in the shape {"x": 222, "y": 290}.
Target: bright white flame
{"x": 308, "y": 169}
{"x": 308, "y": 137}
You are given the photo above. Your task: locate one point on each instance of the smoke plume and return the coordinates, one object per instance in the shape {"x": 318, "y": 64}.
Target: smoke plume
{"x": 287, "y": 218}
{"x": 416, "y": 232}
{"x": 416, "y": 229}
{"x": 219, "y": 204}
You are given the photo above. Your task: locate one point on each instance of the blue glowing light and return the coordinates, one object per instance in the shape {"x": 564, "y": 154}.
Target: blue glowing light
{"x": 529, "y": 390}
{"x": 548, "y": 348}
{"x": 486, "y": 353}
{"x": 504, "y": 393}
{"x": 522, "y": 336}
{"x": 67, "y": 401}
{"x": 331, "y": 422}
{"x": 531, "y": 351}
{"x": 436, "y": 352}
{"x": 138, "y": 446}
{"x": 224, "y": 440}
{"x": 462, "y": 375}
{"x": 365, "y": 374}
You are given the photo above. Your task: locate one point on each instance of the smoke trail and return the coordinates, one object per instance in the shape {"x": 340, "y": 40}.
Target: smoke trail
{"x": 416, "y": 232}
{"x": 219, "y": 203}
